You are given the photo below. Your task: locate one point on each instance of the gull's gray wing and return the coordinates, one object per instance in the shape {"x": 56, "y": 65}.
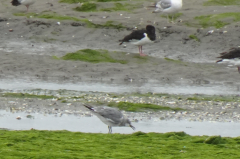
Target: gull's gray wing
{"x": 164, "y": 4}
{"x": 109, "y": 113}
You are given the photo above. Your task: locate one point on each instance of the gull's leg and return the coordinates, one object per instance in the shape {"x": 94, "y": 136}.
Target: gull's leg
{"x": 172, "y": 19}
{"x": 109, "y": 129}
{"x": 238, "y": 69}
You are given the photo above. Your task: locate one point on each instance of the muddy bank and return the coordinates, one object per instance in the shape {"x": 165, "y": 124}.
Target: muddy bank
{"x": 26, "y": 52}
{"x": 185, "y": 107}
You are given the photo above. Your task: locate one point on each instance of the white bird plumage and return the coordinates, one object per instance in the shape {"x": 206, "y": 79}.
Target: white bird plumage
{"x": 110, "y": 116}
{"x": 168, "y": 6}
{"x": 27, "y": 3}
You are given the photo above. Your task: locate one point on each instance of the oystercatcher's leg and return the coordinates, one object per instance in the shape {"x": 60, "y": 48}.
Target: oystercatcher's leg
{"x": 238, "y": 69}
{"x": 141, "y": 53}
{"x": 139, "y": 49}
{"x": 27, "y": 7}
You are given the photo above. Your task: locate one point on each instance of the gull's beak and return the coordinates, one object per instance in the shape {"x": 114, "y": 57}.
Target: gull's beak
{"x": 132, "y": 127}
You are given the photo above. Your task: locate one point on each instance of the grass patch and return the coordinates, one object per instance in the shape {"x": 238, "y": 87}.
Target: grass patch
{"x": 194, "y": 37}
{"x": 26, "y": 95}
{"x": 133, "y": 107}
{"x": 65, "y": 144}
{"x": 93, "y": 56}
{"x": 173, "y": 16}
{"x": 215, "y": 20}
{"x": 221, "y": 2}
{"x": 87, "y": 7}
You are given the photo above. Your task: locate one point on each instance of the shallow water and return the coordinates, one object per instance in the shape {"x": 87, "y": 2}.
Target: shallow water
{"x": 94, "y": 125}
{"x": 155, "y": 87}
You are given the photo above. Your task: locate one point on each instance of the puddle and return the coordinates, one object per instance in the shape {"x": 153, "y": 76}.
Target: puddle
{"x": 92, "y": 124}
{"x": 176, "y": 88}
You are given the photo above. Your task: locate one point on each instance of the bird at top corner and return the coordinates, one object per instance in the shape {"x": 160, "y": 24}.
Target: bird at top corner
{"x": 141, "y": 37}
{"x": 231, "y": 57}
{"x": 168, "y": 7}
{"x": 27, "y": 3}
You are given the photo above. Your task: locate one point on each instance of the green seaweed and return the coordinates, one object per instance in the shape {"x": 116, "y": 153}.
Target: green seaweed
{"x": 194, "y": 37}
{"x": 198, "y": 97}
{"x": 133, "y": 107}
{"x": 73, "y": 1}
{"x": 216, "y": 20}
{"x": 176, "y": 61}
{"x": 215, "y": 140}
{"x": 108, "y": 24}
{"x": 120, "y": 7}
{"x": 221, "y": 2}
{"x": 109, "y": 0}
{"x": 47, "y": 16}
{"x": 214, "y": 98}
{"x": 93, "y": 56}
{"x": 173, "y": 16}
{"x": 26, "y": 95}
{"x": 82, "y": 1}
{"x": 66, "y": 145}
{"x": 87, "y": 7}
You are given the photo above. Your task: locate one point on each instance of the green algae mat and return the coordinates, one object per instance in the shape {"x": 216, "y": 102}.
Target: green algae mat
{"x": 75, "y": 145}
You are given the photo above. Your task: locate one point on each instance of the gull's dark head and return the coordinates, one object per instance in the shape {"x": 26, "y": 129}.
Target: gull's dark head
{"x": 128, "y": 123}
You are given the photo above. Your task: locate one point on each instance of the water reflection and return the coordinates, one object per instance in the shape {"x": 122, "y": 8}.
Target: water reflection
{"x": 94, "y": 125}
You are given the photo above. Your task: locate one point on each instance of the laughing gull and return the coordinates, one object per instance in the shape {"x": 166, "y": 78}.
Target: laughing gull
{"x": 141, "y": 37}
{"x": 232, "y": 57}
{"x": 110, "y": 116}
{"x": 168, "y": 6}
{"x": 27, "y": 3}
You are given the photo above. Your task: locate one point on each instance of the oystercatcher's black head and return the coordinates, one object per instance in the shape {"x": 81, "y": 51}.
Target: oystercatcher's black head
{"x": 151, "y": 32}
{"x": 15, "y": 3}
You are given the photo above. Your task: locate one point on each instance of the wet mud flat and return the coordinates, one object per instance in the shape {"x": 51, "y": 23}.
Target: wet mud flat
{"x": 32, "y": 48}
{"x": 189, "y": 113}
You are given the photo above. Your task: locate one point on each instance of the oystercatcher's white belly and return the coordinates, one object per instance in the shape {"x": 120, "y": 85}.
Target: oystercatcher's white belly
{"x": 27, "y": 2}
